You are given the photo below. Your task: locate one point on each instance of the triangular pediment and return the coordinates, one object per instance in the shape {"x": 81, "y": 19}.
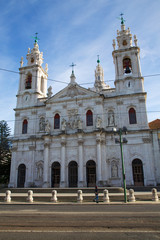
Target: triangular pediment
{"x": 71, "y": 91}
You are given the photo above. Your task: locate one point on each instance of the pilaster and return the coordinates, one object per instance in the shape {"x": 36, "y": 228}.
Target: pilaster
{"x": 80, "y": 161}
{"x": 63, "y": 157}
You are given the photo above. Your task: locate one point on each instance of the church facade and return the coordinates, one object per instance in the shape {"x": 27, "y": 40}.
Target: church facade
{"x": 67, "y": 139}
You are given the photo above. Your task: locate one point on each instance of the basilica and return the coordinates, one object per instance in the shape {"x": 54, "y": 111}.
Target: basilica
{"x": 73, "y": 138}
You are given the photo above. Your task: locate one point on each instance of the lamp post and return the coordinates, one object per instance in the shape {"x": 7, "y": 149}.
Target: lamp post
{"x": 121, "y": 140}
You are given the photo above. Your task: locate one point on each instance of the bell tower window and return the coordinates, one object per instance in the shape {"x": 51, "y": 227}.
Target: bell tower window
{"x": 132, "y": 116}
{"x": 89, "y": 118}
{"x": 28, "y": 83}
{"x": 24, "y": 126}
{"x": 127, "y": 67}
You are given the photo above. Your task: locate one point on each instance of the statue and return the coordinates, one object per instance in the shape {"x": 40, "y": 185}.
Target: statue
{"x": 49, "y": 93}
{"x": 42, "y": 124}
{"x": 111, "y": 119}
{"x": 63, "y": 124}
{"x": 98, "y": 122}
{"x": 47, "y": 127}
{"x": 79, "y": 124}
{"x": 46, "y": 67}
{"x": 39, "y": 172}
{"x": 114, "y": 170}
{"x": 21, "y": 62}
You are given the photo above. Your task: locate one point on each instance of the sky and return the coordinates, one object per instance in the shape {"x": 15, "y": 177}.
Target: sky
{"x": 76, "y": 31}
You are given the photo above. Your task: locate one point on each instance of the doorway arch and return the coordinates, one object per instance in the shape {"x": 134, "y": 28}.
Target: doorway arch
{"x": 72, "y": 174}
{"x": 21, "y": 176}
{"x": 137, "y": 169}
{"x": 91, "y": 173}
{"x": 55, "y": 174}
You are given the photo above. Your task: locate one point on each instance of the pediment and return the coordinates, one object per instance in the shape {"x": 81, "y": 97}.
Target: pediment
{"x": 71, "y": 91}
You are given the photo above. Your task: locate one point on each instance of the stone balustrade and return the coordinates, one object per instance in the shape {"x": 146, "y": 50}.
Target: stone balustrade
{"x": 80, "y": 196}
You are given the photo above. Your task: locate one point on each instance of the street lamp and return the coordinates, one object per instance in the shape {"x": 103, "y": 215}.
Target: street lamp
{"x": 121, "y": 140}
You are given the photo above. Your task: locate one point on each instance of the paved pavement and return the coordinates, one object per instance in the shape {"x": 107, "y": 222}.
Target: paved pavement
{"x": 79, "y": 221}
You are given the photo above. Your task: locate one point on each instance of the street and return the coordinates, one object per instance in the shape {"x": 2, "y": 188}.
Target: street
{"x": 80, "y": 221}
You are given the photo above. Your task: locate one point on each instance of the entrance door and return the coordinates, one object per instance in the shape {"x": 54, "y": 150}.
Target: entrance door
{"x": 91, "y": 173}
{"x": 21, "y": 176}
{"x": 55, "y": 176}
{"x": 137, "y": 168}
{"x": 73, "y": 174}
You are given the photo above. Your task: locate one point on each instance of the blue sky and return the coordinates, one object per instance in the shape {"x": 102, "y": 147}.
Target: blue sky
{"x": 76, "y": 31}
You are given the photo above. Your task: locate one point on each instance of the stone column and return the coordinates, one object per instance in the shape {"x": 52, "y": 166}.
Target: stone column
{"x": 13, "y": 175}
{"x": 103, "y": 160}
{"x": 99, "y": 167}
{"x": 63, "y": 156}
{"x": 46, "y": 163}
{"x": 80, "y": 161}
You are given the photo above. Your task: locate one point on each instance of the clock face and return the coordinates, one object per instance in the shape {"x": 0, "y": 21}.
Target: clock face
{"x": 124, "y": 42}
{"x": 129, "y": 84}
{"x": 26, "y": 97}
{"x": 32, "y": 60}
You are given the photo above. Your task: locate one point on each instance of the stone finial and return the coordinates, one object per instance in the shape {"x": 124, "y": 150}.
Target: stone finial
{"x": 54, "y": 196}
{"x": 29, "y": 50}
{"x": 106, "y": 196}
{"x": 79, "y": 196}
{"x": 8, "y": 196}
{"x": 30, "y": 196}
{"x": 135, "y": 40}
{"x": 118, "y": 33}
{"x": 46, "y": 67}
{"x": 21, "y": 62}
{"x": 114, "y": 44}
{"x": 131, "y": 195}
{"x": 154, "y": 195}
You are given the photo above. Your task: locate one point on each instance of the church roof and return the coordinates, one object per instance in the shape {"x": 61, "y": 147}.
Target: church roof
{"x": 155, "y": 124}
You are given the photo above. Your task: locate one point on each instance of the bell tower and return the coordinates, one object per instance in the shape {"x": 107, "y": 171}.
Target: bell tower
{"x": 99, "y": 78}
{"x": 126, "y": 58}
{"x": 33, "y": 78}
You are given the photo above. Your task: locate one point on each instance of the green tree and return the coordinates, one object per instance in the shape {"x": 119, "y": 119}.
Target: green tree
{"x": 5, "y": 152}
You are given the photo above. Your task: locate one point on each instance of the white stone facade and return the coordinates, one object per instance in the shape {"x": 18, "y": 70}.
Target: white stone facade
{"x": 66, "y": 139}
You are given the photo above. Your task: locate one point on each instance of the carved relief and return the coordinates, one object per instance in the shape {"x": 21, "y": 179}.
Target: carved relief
{"x": 147, "y": 140}
{"x": 72, "y": 91}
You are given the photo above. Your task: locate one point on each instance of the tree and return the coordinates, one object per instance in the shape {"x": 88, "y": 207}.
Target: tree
{"x": 5, "y": 152}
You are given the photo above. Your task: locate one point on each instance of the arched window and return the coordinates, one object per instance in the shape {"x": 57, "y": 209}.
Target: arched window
{"x": 132, "y": 116}
{"x": 89, "y": 118}
{"x": 127, "y": 67}
{"x": 24, "y": 126}
{"x": 28, "y": 83}
{"x": 56, "y": 121}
